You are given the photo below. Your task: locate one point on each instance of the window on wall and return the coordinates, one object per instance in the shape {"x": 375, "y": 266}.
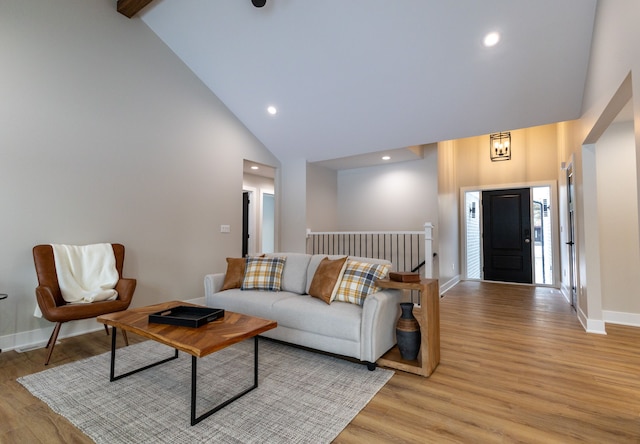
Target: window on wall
{"x": 542, "y": 243}
{"x": 474, "y": 236}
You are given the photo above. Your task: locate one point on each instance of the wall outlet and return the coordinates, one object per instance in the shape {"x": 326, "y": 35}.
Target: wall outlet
{"x": 225, "y": 228}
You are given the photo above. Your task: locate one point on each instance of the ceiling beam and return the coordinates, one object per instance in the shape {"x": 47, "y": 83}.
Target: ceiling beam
{"x": 130, "y": 8}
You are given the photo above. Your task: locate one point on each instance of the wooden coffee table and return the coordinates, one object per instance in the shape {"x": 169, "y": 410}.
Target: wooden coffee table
{"x": 198, "y": 342}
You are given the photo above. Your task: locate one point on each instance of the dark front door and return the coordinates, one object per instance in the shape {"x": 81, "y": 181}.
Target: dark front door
{"x": 506, "y": 237}
{"x": 245, "y": 223}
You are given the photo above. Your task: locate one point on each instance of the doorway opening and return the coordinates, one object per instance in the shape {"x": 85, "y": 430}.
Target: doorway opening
{"x": 517, "y": 243}
{"x": 258, "y": 208}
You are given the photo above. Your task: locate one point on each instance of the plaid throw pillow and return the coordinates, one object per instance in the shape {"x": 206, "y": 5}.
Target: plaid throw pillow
{"x": 358, "y": 281}
{"x": 263, "y": 273}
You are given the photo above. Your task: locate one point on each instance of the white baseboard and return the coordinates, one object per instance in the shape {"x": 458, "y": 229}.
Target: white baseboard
{"x": 608, "y": 317}
{"x": 29, "y": 340}
{"x": 446, "y": 286}
{"x": 591, "y": 325}
{"x": 618, "y": 317}
{"x": 38, "y": 338}
{"x": 566, "y": 292}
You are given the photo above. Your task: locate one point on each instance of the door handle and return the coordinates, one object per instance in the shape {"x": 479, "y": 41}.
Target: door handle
{"x": 527, "y": 241}
{"x": 569, "y": 243}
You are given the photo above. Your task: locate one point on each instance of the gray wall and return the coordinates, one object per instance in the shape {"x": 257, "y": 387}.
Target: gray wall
{"x": 395, "y": 197}
{"x": 398, "y": 196}
{"x": 619, "y": 247}
{"x": 291, "y": 199}
{"x": 448, "y": 248}
{"x": 322, "y": 198}
{"x": 106, "y": 136}
{"x": 614, "y": 55}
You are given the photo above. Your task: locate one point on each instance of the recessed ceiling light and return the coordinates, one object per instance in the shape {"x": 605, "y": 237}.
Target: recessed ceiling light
{"x": 255, "y": 167}
{"x": 386, "y": 157}
{"x": 272, "y": 110}
{"x": 491, "y": 39}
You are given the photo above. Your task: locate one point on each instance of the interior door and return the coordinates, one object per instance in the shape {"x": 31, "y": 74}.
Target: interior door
{"x": 506, "y": 237}
{"x": 245, "y": 223}
{"x": 268, "y": 222}
{"x": 571, "y": 235}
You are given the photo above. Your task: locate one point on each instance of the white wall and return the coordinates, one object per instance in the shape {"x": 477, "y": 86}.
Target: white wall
{"x": 448, "y": 248}
{"x": 614, "y": 55}
{"x": 398, "y": 196}
{"x": 322, "y": 198}
{"x": 394, "y": 197}
{"x": 534, "y": 158}
{"x": 618, "y": 219}
{"x": 589, "y": 274}
{"x": 106, "y": 136}
{"x": 291, "y": 204}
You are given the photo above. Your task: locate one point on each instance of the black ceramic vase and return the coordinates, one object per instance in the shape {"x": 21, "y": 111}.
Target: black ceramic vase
{"x": 408, "y": 333}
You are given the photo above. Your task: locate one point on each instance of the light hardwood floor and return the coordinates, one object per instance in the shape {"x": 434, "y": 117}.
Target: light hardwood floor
{"x": 516, "y": 366}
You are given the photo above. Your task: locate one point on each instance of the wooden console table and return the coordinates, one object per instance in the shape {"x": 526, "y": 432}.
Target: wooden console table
{"x": 428, "y": 315}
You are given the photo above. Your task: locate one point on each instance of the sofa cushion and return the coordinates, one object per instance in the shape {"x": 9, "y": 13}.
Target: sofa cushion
{"x": 294, "y": 275}
{"x": 306, "y": 313}
{"x": 253, "y": 303}
{"x": 262, "y": 273}
{"x": 358, "y": 281}
{"x": 235, "y": 273}
{"x": 326, "y": 279}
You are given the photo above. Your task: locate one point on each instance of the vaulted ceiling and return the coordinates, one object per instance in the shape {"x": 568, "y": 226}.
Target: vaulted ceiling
{"x": 358, "y": 76}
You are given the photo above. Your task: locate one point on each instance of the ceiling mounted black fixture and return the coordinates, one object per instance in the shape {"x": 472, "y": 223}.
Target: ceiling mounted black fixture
{"x": 259, "y": 3}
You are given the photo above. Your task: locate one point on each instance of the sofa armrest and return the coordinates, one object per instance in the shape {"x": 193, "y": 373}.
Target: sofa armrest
{"x": 213, "y": 284}
{"x": 380, "y": 313}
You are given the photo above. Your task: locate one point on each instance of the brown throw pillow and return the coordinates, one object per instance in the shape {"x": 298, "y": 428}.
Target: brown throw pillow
{"x": 327, "y": 279}
{"x": 235, "y": 273}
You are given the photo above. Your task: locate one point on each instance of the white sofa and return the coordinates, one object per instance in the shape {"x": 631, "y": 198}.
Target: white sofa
{"x": 363, "y": 332}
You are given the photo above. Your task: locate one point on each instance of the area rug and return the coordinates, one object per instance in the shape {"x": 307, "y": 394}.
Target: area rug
{"x": 302, "y": 397}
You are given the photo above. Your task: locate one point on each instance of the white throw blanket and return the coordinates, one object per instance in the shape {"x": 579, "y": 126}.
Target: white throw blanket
{"x": 86, "y": 273}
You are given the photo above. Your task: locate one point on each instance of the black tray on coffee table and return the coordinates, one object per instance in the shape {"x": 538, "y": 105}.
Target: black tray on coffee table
{"x": 187, "y": 316}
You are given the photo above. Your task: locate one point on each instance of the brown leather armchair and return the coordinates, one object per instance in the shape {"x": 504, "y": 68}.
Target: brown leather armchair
{"x": 55, "y": 309}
